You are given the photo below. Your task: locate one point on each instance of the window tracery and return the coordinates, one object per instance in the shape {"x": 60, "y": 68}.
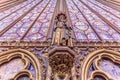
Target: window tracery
{"x": 105, "y": 63}
{"x": 19, "y": 64}
{"x": 99, "y": 78}
{"x": 24, "y": 77}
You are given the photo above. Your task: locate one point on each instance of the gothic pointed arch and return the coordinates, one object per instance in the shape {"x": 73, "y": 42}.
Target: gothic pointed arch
{"x": 101, "y": 64}
{"x": 16, "y": 63}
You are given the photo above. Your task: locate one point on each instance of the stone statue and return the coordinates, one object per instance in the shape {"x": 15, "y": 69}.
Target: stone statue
{"x": 61, "y": 30}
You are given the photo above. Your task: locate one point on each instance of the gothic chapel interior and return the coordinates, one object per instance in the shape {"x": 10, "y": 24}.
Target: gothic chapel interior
{"x": 59, "y": 39}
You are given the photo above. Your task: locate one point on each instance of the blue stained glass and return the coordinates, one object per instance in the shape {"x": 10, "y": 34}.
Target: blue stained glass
{"x": 32, "y": 70}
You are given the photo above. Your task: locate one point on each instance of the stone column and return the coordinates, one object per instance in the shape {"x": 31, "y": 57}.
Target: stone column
{"x": 48, "y": 75}
{"x": 73, "y": 72}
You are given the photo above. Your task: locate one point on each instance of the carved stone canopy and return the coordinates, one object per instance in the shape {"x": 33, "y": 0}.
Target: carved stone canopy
{"x": 62, "y": 49}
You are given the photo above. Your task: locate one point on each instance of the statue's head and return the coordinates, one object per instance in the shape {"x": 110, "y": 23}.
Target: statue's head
{"x": 61, "y": 17}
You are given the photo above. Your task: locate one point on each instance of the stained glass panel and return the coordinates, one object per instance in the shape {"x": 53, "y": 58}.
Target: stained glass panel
{"x": 112, "y": 17}
{"x": 36, "y": 22}
{"x": 12, "y": 14}
{"x": 25, "y": 77}
{"x": 40, "y": 28}
{"x": 31, "y": 20}
{"x": 82, "y": 29}
{"x": 101, "y": 28}
{"x": 8, "y": 69}
{"x": 111, "y": 68}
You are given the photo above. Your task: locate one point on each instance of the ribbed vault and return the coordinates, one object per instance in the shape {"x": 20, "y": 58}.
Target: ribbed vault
{"x": 32, "y": 20}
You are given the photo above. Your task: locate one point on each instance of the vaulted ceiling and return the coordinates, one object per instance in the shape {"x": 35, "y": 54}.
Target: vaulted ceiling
{"x": 31, "y": 20}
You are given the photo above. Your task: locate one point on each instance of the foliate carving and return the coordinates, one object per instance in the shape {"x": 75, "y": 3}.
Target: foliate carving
{"x": 97, "y": 45}
{"x": 92, "y": 46}
{"x": 24, "y": 44}
{"x": 61, "y": 63}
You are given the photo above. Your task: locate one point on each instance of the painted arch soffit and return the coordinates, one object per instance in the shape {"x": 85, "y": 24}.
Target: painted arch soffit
{"x": 16, "y": 62}
{"x": 106, "y": 64}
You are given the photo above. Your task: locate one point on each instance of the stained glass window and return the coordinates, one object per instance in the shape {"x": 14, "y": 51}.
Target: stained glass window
{"x": 31, "y": 20}
{"x": 111, "y": 68}
{"x": 33, "y": 17}
{"x": 10, "y": 68}
{"x": 99, "y": 78}
{"x": 101, "y": 28}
